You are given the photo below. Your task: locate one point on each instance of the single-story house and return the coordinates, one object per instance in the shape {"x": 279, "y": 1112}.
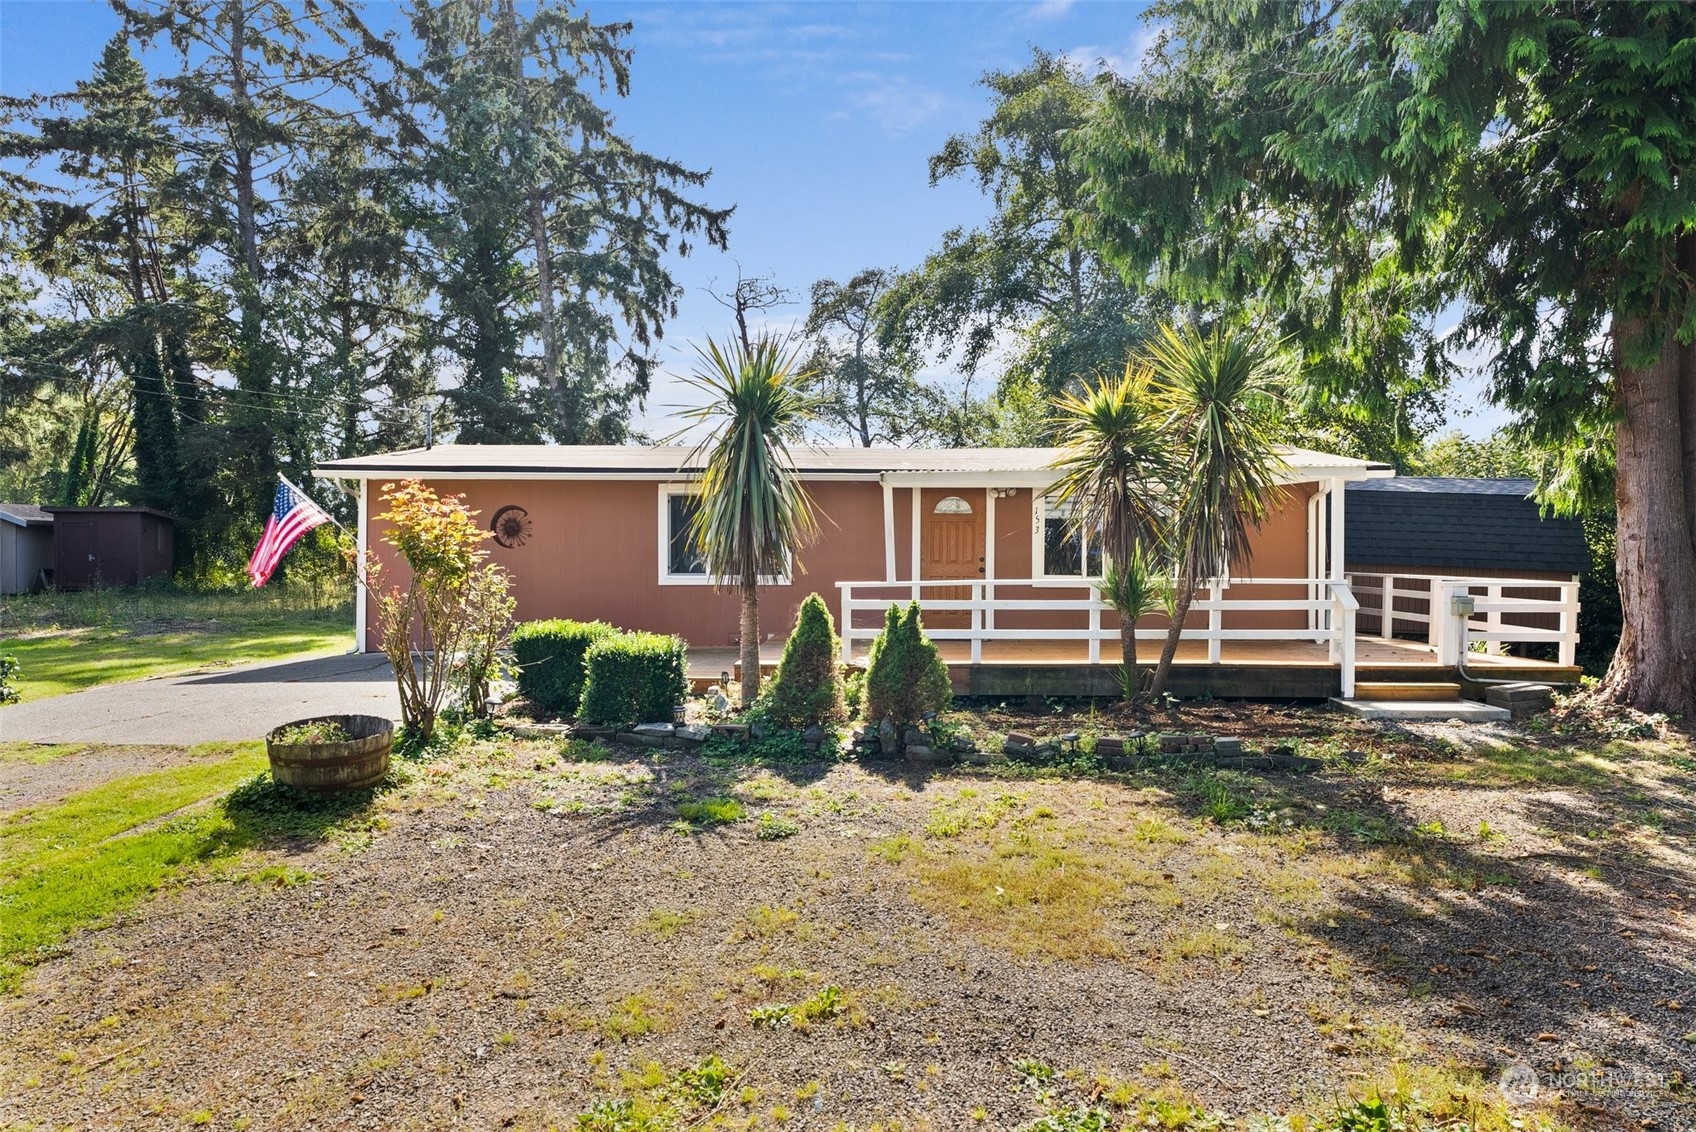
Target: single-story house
{"x": 26, "y": 548}
{"x": 110, "y": 546}
{"x": 1008, "y": 586}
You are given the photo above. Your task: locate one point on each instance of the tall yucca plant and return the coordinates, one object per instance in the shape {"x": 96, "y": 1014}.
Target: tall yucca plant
{"x": 1218, "y": 392}
{"x": 754, "y": 513}
{"x": 1115, "y": 457}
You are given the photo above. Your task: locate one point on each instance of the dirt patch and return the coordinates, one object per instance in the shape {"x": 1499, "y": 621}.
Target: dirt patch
{"x": 529, "y": 935}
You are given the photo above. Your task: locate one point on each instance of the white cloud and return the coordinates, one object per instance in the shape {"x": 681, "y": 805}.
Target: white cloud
{"x": 894, "y": 102}
{"x": 1051, "y": 9}
{"x": 1125, "y": 59}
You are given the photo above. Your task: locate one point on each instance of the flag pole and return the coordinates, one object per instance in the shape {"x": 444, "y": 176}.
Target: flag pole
{"x": 315, "y": 503}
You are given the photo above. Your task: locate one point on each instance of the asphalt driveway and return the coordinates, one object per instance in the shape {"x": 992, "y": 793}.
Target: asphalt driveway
{"x": 200, "y": 707}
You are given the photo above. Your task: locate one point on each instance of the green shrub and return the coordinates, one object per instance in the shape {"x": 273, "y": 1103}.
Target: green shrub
{"x": 905, "y": 675}
{"x": 808, "y": 687}
{"x": 633, "y": 678}
{"x": 8, "y": 679}
{"x": 550, "y": 661}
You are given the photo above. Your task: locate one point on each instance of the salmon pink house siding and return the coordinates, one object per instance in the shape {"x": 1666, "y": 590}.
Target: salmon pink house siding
{"x": 975, "y": 535}
{"x": 593, "y": 552}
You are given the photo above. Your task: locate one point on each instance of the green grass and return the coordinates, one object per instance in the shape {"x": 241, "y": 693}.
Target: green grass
{"x": 74, "y": 863}
{"x": 66, "y": 865}
{"x": 64, "y": 642}
{"x": 711, "y": 811}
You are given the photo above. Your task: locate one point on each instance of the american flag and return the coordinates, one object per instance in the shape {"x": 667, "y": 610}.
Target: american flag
{"x": 292, "y": 514}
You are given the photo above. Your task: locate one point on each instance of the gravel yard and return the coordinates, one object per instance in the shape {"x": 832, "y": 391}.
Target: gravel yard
{"x": 520, "y": 933}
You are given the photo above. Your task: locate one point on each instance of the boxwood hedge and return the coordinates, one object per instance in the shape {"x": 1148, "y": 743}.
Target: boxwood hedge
{"x": 633, "y": 678}
{"x": 550, "y": 661}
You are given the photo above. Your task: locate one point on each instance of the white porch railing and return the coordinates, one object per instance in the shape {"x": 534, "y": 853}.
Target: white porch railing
{"x": 1329, "y": 604}
{"x": 1427, "y": 603}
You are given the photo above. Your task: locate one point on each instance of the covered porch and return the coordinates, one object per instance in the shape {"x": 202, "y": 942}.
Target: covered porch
{"x": 1009, "y": 590}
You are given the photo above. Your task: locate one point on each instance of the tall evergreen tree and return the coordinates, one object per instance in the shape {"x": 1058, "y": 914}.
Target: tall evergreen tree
{"x": 1027, "y": 274}
{"x": 550, "y": 228}
{"x": 1363, "y": 166}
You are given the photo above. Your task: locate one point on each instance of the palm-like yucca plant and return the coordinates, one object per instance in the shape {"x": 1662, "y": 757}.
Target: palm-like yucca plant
{"x": 1218, "y": 392}
{"x": 754, "y": 512}
{"x": 1115, "y": 458}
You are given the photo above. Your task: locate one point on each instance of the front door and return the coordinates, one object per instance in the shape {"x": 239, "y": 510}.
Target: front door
{"x": 953, "y": 545}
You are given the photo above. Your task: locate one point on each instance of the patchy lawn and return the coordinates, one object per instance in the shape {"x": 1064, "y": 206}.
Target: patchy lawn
{"x": 64, "y": 642}
{"x": 619, "y": 941}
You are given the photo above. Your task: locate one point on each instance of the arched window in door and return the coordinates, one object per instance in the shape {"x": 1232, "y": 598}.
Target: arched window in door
{"x": 952, "y": 505}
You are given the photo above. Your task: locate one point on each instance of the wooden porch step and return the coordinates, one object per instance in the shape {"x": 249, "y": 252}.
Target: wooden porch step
{"x": 1404, "y": 691}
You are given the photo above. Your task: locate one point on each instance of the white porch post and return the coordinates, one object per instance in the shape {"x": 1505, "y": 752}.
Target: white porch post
{"x": 1338, "y": 494}
{"x": 1569, "y": 623}
{"x": 888, "y": 531}
{"x": 1215, "y": 622}
{"x": 360, "y": 543}
{"x": 847, "y": 624}
{"x": 989, "y": 555}
{"x": 1387, "y": 618}
{"x": 914, "y": 578}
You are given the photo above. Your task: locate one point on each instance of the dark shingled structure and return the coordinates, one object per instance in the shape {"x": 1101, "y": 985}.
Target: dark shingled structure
{"x": 1446, "y": 523}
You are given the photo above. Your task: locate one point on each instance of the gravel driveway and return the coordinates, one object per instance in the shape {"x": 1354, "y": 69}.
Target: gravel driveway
{"x": 208, "y": 705}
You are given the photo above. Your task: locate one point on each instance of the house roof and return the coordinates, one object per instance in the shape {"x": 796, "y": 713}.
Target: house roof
{"x": 25, "y": 515}
{"x": 591, "y": 461}
{"x": 1445, "y": 523}
{"x": 1456, "y": 485}
{"x": 154, "y": 511}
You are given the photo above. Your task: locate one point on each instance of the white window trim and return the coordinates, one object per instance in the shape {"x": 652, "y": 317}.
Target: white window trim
{"x": 1039, "y": 544}
{"x": 666, "y": 577}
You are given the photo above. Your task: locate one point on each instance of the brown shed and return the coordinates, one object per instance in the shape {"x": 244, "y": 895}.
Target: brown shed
{"x": 109, "y": 546}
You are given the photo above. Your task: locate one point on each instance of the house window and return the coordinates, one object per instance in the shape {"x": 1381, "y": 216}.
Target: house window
{"x": 683, "y": 560}
{"x": 953, "y": 505}
{"x": 681, "y": 563}
{"x": 1066, "y": 551}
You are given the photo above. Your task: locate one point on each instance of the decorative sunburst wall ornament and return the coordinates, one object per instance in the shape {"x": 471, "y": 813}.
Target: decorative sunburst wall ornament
{"x": 511, "y": 525}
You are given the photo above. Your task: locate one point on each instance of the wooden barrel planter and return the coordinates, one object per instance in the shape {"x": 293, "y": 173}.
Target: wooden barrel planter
{"x": 329, "y": 768}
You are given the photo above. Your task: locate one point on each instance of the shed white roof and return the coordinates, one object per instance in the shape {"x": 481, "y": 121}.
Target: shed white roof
{"x": 603, "y": 461}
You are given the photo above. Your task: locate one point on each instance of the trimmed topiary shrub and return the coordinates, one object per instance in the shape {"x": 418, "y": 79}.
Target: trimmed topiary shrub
{"x": 808, "y": 687}
{"x": 633, "y": 678}
{"x": 905, "y": 675}
{"x": 550, "y": 661}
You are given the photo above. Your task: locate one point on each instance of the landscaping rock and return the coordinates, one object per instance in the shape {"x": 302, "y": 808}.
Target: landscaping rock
{"x": 1227, "y": 748}
{"x": 813, "y": 737}
{"x": 920, "y": 753}
{"x": 1026, "y": 747}
{"x": 1176, "y": 744}
{"x": 888, "y": 738}
{"x": 1108, "y": 747}
{"x": 1123, "y": 763}
{"x": 978, "y": 757}
{"x": 592, "y": 731}
{"x": 691, "y": 736}
{"x": 656, "y": 735}
{"x": 1521, "y": 699}
{"x": 736, "y": 731}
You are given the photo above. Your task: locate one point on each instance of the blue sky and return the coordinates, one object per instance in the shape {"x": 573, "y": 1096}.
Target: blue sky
{"x": 817, "y": 119}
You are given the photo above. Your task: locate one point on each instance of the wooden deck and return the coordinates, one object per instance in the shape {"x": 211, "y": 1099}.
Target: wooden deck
{"x": 1247, "y": 669}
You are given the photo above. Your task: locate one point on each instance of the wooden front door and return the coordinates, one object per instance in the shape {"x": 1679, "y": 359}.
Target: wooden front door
{"x": 953, "y": 548}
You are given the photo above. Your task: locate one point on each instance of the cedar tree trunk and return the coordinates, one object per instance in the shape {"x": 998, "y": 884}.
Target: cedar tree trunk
{"x": 1654, "y": 668}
